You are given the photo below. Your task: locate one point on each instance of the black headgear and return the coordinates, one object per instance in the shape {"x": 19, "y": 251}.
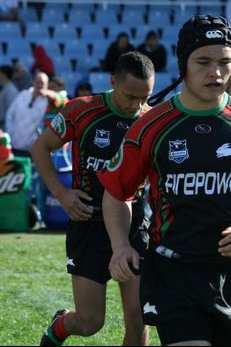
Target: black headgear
{"x": 198, "y": 32}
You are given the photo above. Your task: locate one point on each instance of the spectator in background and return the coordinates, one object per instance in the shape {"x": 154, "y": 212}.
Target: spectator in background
{"x": 120, "y": 46}
{"x": 22, "y": 78}
{"x": 83, "y": 89}
{"x": 25, "y": 115}
{"x": 154, "y": 50}
{"x": 9, "y": 11}
{"x": 43, "y": 62}
{"x": 8, "y": 92}
{"x": 57, "y": 99}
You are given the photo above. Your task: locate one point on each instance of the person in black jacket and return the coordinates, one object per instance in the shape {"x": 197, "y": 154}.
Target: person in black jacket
{"x": 115, "y": 50}
{"x": 154, "y": 50}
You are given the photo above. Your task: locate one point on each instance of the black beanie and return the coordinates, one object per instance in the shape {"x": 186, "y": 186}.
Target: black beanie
{"x": 200, "y": 31}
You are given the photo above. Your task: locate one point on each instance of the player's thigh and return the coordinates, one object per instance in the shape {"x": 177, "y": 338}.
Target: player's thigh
{"x": 89, "y": 297}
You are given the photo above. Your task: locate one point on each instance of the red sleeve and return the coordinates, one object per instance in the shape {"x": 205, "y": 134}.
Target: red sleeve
{"x": 127, "y": 170}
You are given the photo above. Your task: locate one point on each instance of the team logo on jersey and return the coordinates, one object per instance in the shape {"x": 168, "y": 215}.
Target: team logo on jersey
{"x": 214, "y": 34}
{"x": 117, "y": 160}
{"x": 178, "y": 151}
{"x": 203, "y": 129}
{"x": 59, "y": 125}
{"x": 224, "y": 151}
{"x": 102, "y": 138}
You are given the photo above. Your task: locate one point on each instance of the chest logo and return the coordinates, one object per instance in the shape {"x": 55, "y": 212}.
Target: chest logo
{"x": 102, "y": 138}
{"x": 224, "y": 151}
{"x": 178, "y": 151}
{"x": 203, "y": 129}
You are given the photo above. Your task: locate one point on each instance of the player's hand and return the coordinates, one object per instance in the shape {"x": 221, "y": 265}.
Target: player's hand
{"x": 225, "y": 243}
{"x": 124, "y": 263}
{"x": 73, "y": 205}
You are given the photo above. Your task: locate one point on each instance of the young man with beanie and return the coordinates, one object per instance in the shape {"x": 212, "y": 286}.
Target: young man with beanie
{"x": 96, "y": 126}
{"x": 183, "y": 146}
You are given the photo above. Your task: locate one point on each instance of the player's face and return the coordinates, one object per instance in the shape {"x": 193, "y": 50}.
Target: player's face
{"x": 130, "y": 94}
{"x": 208, "y": 73}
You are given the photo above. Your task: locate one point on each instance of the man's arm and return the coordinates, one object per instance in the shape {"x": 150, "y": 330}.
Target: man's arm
{"x": 69, "y": 199}
{"x": 117, "y": 218}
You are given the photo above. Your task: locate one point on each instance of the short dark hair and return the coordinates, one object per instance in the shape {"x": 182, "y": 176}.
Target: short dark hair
{"x": 136, "y": 64}
{"x": 59, "y": 82}
{"x": 151, "y": 34}
{"x": 7, "y": 70}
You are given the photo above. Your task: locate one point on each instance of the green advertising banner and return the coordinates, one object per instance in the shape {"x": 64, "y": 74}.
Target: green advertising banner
{"x": 15, "y": 181}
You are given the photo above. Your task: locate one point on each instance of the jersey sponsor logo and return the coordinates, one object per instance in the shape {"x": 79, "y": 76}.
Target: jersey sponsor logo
{"x": 178, "y": 151}
{"x": 149, "y": 308}
{"x": 117, "y": 160}
{"x": 102, "y": 138}
{"x": 210, "y": 183}
{"x": 97, "y": 164}
{"x": 203, "y": 129}
{"x": 59, "y": 125}
{"x": 214, "y": 34}
{"x": 224, "y": 151}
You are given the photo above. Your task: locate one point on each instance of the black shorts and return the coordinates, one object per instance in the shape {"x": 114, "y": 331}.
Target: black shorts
{"x": 187, "y": 301}
{"x": 89, "y": 251}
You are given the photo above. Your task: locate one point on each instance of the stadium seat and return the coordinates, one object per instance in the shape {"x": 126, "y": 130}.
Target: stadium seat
{"x": 79, "y": 17}
{"x": 35, "y": 32}
{"x": 28, "y": 14}
{"x": 64, "y": 32}
{"x": 100, "y": 81}
{"x": 9, "y": 31}
{"x": 90, "y": 32}
{"x": 108, "y": 13}
{"x": 52, "y": 16}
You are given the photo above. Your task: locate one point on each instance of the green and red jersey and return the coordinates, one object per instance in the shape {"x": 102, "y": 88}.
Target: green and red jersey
{"x": 186, "y": 156}
{"x": 96, "y": 130}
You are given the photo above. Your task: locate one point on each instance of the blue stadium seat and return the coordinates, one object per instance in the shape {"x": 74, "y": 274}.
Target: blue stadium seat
{"x": 105, "y": 16}
{"x": 86, "y": 64}
{"x": 71, "y": 80}
{"x": 64, "y": 32}
{"x": 163, "y": 79}
{"x": 100, "y": 81}
{"x": 35, "y": 32}
{"x": 52, "y": 47}
{"x": 52, "y": 16}
{"x": 132, "y": 17}
{"x": 28, "y": 14}
{"x": 78, "y": 17}
{"x": 90, "y": 32}
{"x": 9, "y": 31}
{"x": 19, "y": 48}
{"x": 62, "y": 65}
{"x": 76, "y": 48}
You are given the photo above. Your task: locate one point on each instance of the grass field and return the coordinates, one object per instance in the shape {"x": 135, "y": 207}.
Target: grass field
{"x": 34, "y": 284}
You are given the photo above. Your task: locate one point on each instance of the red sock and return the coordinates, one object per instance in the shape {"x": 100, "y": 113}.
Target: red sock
{"x": 59, "y": 330}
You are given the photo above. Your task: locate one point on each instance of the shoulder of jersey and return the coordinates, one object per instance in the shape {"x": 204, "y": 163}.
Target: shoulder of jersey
{"x": 86, "y": 102}
{"x": 150, "y": 118}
